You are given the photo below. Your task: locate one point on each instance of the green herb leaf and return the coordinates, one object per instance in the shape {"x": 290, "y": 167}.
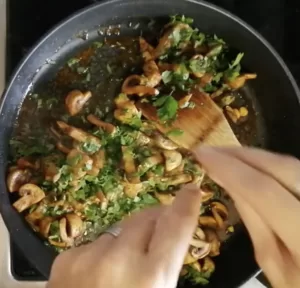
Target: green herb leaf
{"x": 181, "y": 19}
{"x": 167, "y": 76}
{"x": 73, "y": 61}
{"x": 237, "y": 60}
{"x": 168, "y": 107}
{"x": 97, "y": 44}
{"x": 90, "y": 147}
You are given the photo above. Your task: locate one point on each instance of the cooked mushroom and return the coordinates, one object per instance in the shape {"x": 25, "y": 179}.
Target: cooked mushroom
{"x": 75, "y": 101}
{"x": 212, "y": 238}
{"x": 132, "y": 189}
{"x": 164, "y": 143}
{"x": 44, "y": 226}
{"x": 198, "y": 74}
{"x": 103, "y": 199}
{"x": 198, "y": 175}
{"x": 173, "y": 159}
{"x": 51, "y": 171}
{"x": 199, "y": 233}
{"x": 150, "y": 162}
{"x": 201, "y": 252}
{"x": 143, "y": 139}
{"x": 206, "y": 194}
{"x": 177, "y": 179}
{"x": 185, "y": 101}
{"x": 146, "y": 49}
{"x": 108, "y": 127}
{"x": 196, "y": 265}
{"x": 80, "y": 162}
{"x": 129, "y": 165}
{"x": 30, "y": 194}
{"x": 78, "y": 134}
{"x": 208, "y": 221}
{"x": 17, "y": 178}
{"x": 28, "y": 162}
{"x": 239, "y": 81}
{"x": 166, "y": 41}
{"x": 34, "y": 217}
{"x": 189, "y": 259}
{"x": 98, "y": 162}
{"x": 121, "y": 99}
{"x": 127, "y": 113}
{"x": 208, "y": 266}
{"x": 136, "y": 85}
{"x": 61, "y": 147}
{"x": 70, "y": 227}
{"x": 177, "y": 170}
{"x": 219, "y": 212}
{"x": 165, "y": 199}
{"x": 198, "y": 243}
{"x": 152, "y": 73}
{"x": 57, "y": 244}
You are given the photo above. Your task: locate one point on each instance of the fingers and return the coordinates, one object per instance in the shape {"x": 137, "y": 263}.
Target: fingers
{"x": 284, "y": 169}
{"x": 175, "y": 228}
{"x": 268, "y": 252}
{"x": 277, "y": 208}
{"x": 137, "y": 230}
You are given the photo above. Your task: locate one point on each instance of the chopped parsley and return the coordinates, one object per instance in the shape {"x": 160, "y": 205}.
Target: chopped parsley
{"x": 167, "y": 108}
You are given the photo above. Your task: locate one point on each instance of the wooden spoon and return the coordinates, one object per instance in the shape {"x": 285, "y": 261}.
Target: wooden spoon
{"x": 205, "y": 123}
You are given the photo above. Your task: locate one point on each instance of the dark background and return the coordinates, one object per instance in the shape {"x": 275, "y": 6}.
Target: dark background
{"x": 277, "y": 20}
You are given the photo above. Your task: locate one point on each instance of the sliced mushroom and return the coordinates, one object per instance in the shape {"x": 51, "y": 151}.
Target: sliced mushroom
{"x": 51, "y": 171}
{"x": 198, "y": 243}
{"x": 208, "y": 267}
{"x": 177, "y": 170}
{"x": 132, "y": 189}
{"x": 212, "y": 238}
{"x": 198, "y": 74}
{"x": 143, "y": 139}
{"x": 135, "y": 85}
{"x": 127, "y": 113}
{"x": 17, "y": 178}
{"x": 44, "y": 226}
{"x": 149, "y": 163}
{"x": 129, "y": 164}
{"x": 30, "y": 194}
{"x": 103, "y": 199}
{"x": 201, "y": 252}
{"x": 121, "y": 99}
{"x": 70, "y": 227}
{"x": 80, "y": 162}
{"x": 62, "y": 148}
{"x": 177, "y": 179}
{"x": 152, "y": 73}
{"x": 78, "y": 134}
{"x": 57, "y": 244}
{"x": 165, "y": 199}
{"x": 199, "y": 233}
{"x": 166, "y": 41}
{"x": 185, "y": 101}
{"x": 189, "y": 259}
{"x": 98, "y": 162}
{"x": 164, "y": 143}
{"x": 206, "y": 194}
{"x": 108, "y": 127}
{"x": 27, "y": 162}
{"x": 75, "y": 101}
{"x": 146, "y": 49}
{"x": 34, "y": 217}
{"x": 198, "y": 175}
{"x": 208, "y": 221}
{"x": 173, "y": 159}
{"x": 239, "y": 81}
{"x": 196, "y": 266}
{"x": 220, "y": 213}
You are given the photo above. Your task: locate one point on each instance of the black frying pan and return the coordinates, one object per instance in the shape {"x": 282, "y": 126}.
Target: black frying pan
{"x": 275, "y": 92}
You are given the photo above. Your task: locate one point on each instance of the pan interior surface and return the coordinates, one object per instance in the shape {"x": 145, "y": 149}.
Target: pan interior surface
{"x": 274, "y": 92}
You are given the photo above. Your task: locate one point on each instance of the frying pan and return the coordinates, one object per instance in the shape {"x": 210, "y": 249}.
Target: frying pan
{"x": 275, "y": 93}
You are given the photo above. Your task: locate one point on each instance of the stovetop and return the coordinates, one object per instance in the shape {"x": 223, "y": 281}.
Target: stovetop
{"x": 29, "y": 20}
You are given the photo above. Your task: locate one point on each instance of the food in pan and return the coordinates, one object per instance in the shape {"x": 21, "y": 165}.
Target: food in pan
{"x": 80, "y": 163}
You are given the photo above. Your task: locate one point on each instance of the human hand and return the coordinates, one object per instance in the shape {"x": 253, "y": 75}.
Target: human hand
{"x": 148, "y": 253}
{"x": 265, "y": 188}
